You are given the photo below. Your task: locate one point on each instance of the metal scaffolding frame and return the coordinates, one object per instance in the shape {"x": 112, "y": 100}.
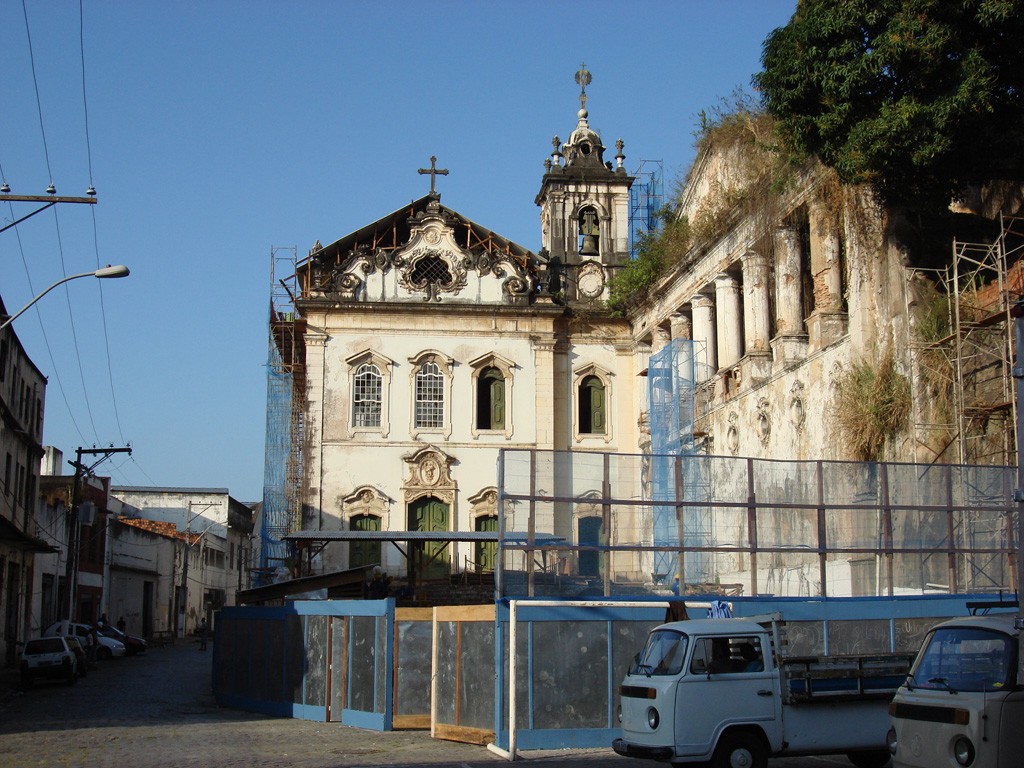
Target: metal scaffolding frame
{"x": 646, "y": 198}
{"x": 973, "y": 362}
{"x": 282, "y": 471}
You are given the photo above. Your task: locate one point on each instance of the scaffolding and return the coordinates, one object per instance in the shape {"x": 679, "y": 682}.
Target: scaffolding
{"x": 966, "y": 374}
{"x": 282, "y": 471}
{"x": 671, "y": 386}
{"x": 646, "y": 198}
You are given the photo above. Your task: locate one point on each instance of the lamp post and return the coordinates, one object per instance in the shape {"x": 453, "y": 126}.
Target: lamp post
{"x": 106, "y": 272}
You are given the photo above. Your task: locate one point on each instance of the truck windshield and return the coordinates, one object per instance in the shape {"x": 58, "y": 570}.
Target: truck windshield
{"x": 663, "y": 654}
{"x": 966, "y": 659}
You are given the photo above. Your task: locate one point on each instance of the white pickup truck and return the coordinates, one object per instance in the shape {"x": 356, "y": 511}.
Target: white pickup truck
{"x": 961, "y": 704}
{"x": 717, "y": 690}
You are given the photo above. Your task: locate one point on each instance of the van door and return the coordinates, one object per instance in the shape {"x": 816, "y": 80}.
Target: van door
{"x": 727, "y": 682}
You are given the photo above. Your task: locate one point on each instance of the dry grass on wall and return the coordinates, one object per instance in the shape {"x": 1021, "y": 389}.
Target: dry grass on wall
{"x": 872, "y": 408}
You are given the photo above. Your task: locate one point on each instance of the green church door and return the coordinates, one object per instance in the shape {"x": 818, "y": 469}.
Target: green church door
{"x": 430, "y": 514}
{"x": 486, "y": 551}
{"x": 361, "y": 553}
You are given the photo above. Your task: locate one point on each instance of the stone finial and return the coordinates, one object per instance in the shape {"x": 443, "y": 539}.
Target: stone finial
{"x": 619, "y": 157}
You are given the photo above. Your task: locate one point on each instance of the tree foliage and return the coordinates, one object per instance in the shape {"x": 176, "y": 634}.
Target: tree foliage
{"x": 920, "y": 98}
{"x": 656, "y": 252}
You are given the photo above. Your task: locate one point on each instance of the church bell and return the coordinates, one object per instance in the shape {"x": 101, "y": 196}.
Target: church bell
{"x": 589, "y": 246}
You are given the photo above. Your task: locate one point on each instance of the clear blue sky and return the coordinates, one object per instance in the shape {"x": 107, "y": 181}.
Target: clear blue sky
{"x": 218, "y": 130}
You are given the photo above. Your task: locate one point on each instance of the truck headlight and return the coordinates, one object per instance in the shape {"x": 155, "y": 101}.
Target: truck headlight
{"x": 653, "y": 718}
{"x": 963, "y": 751}
{"x": 891, "y": 741}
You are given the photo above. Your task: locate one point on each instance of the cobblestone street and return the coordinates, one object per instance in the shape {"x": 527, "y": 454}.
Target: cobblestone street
{"x": 157, "y": 709}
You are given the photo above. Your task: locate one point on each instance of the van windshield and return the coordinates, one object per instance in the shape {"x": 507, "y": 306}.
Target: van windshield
{"x": 965, "y": 659}
{"x": 663, "y": 654}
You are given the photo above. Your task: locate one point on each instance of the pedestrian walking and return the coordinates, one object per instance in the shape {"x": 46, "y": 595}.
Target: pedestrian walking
{"x": 204, "y": 630}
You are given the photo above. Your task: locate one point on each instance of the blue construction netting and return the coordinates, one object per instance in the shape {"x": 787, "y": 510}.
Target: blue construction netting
{"x": 276, "y": 506}
{"x": 671, "y": 381}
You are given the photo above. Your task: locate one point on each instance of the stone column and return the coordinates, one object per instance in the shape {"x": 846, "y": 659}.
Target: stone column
{"x": 728, "y": 326}
{"x": 827, "y": 323}
{"x": 756, "y": 302}
{"x": 757, "y": 316}
{"x": 790, "y": 342}
{"x": 660, "y": 338}
{"x": 681, "y": 326}
{"x": 704, "y": 335}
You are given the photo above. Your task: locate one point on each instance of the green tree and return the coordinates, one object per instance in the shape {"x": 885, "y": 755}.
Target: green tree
{"x": 920, "y": 98}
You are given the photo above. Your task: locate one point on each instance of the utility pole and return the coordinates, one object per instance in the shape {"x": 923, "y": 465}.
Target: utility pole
{"x": 74, "y": 530}
{"x": 182, "y": 614}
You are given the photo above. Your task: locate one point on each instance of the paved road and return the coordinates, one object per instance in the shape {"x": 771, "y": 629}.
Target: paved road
{"x": 158, "y": 710}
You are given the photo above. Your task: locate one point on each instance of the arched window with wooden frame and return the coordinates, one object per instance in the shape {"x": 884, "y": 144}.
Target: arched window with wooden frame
{"x": 493, "y": 382}
{"x": 593, "y": 415}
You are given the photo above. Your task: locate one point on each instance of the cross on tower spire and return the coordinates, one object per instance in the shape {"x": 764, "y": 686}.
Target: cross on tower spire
{"x": 434, "y": 172}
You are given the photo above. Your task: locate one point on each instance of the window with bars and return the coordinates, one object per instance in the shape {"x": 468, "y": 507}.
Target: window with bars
{"x": 429, "y": 397}
{"x": 366, "y": 396}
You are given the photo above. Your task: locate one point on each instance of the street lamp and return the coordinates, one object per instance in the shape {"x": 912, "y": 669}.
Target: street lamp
{"x": 117, "y": 271}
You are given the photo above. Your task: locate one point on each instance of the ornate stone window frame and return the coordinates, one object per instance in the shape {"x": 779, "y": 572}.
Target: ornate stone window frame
{"x": 507, "y": 367}
{"x": 384, "y": 365}
{"x": 429, "y": 474}
{"x": 445, "y": 365}
{"x": 605, "y": 376}
{"x": 367, "y": 500}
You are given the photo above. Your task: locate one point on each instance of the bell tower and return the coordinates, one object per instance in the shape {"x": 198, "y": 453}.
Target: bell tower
{"x": 584, "y": 204}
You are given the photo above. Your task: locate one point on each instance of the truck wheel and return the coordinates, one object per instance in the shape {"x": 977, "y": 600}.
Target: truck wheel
{"x": 740, "y": 750}
{"x": 872, "y": 758}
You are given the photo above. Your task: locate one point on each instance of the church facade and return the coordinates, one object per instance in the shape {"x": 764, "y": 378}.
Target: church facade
{"x": 431, "y": 342}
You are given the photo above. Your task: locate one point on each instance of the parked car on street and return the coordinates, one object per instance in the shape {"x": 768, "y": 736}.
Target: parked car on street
{"x": 50, "y": 657}
{"x": 132, "y": 644}
{"x": 108, "y": 647}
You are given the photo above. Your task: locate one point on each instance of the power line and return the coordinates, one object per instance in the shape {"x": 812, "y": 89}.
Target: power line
{"x": 39, "y": 103}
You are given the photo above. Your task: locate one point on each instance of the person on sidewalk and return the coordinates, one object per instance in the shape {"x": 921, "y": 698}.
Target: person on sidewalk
{"x": 204, "y": 630}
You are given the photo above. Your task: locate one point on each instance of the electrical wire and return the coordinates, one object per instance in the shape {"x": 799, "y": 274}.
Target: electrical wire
{"x": 35, "y": 82}
{"x": 95, "y": 228}
{"x": 46, "y": 339}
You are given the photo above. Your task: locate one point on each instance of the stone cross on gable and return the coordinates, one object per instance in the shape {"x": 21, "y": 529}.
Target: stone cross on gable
{"x": 434, "y": 172}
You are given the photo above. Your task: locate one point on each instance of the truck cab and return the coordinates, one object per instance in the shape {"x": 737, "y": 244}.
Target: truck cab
{"x": 719, "y": 691}
{"x": 674, "y": 670}
{"x": 961, "y": 704}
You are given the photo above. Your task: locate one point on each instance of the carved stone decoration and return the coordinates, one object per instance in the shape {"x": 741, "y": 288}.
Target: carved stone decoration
{"x": 516, "y": 286}
{"x": 590, "y": 280}
{"x": 348, "y": 285}
{"x": 797, "y": 412}
{"x": 366, "y": 500}
{"x": 732, "y": 435}
{"x": 484, "y": 503}
{"x": 429, "y": 474}
{"x": 764, "y": 421}
{"x": 432, "y": 271}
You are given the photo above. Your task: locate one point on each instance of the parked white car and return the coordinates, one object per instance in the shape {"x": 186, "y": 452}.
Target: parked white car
{"x": 108, "y": 647}
{"x": 49, "y": 657}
